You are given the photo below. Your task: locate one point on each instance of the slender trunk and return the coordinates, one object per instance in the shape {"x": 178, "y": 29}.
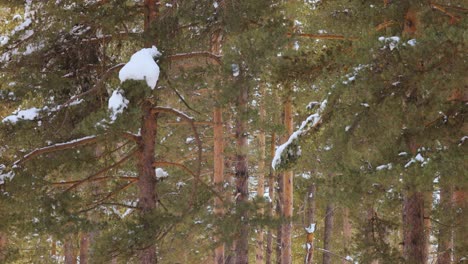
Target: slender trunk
{"x": 310, "y": 221}
{"x": 242, "y": 176}
{"x": 3, "y": 247}
{"x": 271, "y": 212}
{"x": 218, "y": 149}
{"x": 261, "y": 175}
{"x": 460, "y": 223}
{"x": 53, "y": 251}
{"x": 346, "y": 233}
{"x": 329, "y": 215}
{"x": 84, "y": 248}
{"x": 444, "y": 240}
{"x": 69, "y": 250}
{"x": 286, "y": 253}
{"x": 151, "y": 9}
{"x": 147, "y": 177}
{"x": 414, "y": 236}
{"x": 279, "y": 211}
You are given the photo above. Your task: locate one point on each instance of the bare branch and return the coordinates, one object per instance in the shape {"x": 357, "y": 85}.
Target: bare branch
{"x": 203, "y": 54}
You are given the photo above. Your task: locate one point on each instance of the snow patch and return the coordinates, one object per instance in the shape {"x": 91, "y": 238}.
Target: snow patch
{"x": 28, "y": 114}
{"x": 117, "y": 103}
{"x": 161, "y": 174}
{"x": 142, "y": 67}
{"x": 310, "y": 229}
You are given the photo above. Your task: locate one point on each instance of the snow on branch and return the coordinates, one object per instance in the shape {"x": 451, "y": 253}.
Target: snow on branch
{"x": 290, "y": 150}
{"x": 56, "y": 147}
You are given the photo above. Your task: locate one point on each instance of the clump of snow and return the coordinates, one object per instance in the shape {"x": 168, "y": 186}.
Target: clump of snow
{"x": 388, "y": 166}
{"x": 5, "y": 175}
{"x": 117, "y": 104}
{"x": 28, "y": 114}
{"x": 235, "y": 70}
{"x": 390, "y": 42}
{"x": 411, "y": 42}
{"x": 160, "y": 173}
{"x": 142, "y": 67}
{"x": 418, "y": 158}
{"x": 310, "y": 229}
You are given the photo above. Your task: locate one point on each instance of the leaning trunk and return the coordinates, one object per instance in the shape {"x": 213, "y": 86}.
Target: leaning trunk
{"x": 147, "y": 177}
{"x": 242, "y": 176}
{"x": 414, "y": 236}
{"x": 328, "y": 234}
{"x": 286, "y": 253}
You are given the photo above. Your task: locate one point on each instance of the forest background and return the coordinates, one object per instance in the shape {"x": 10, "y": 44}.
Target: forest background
{"x": 246, "y": 131}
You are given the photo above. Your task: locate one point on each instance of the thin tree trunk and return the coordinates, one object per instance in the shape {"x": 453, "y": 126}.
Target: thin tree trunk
{"x": 414, "y": 236}
{"x": 286, "y": 253}
{"x": 329, "y": 215}
{"x": 242, "y": 176}
{"x": 346, "y": 233}
{"x": 259, "y": 252}
{"x": 310, "y": 221}
{"x": 69, "y": 250}
{"x": 444, "y": 240}
{"x": 271, "y": 212}
{"x": 218, "y": 146}
{"x": 3, "y": 246}
{"x": 460, "y": 224}
{"x": 147, "y": 177}
{"x": 279, "y": 211}
{"x": 84, "y": 248}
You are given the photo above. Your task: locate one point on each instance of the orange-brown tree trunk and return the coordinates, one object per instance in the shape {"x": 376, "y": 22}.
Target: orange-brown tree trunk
{"x": 414, "y": 236}
{"x": 259, "y": 252}
{"x": 286, "y": 232}
{"x": 242, "y": 176}
{"x": 84, "y": 248}
{"x": 444, "y": 239}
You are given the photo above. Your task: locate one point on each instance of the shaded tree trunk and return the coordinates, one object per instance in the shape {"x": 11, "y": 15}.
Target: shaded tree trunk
{"x": 242, "y": 176}
{"x": 414, "y": 236}
{"x": 259, "y": 252}
{"x": 346, "y": 233}
{"x": 286, "y": 253}
{"x": 444, "y": 239}
{"x": 329, "y": 215}
{"x": 69, "y": 250}
{"x": 460, "y": 223}
{"x": 271, "y": 212}
{"x": 84, "y": 248}
{"x": 147, "y": 177}
{"x": 310, "y": 220}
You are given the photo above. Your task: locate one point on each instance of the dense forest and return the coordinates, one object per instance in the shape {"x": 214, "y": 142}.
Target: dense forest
{"x": 233, "y": 131}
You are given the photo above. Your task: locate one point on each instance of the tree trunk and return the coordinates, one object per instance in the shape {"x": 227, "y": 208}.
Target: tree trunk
{"x": 414, "y": 236}
{"x": 271, "y": 212}
{"x": 259, "y": 252}
{"x": 460, "y": 234}
{"x": 310, "y": 220}
{"x": 444, "y": 240}
{"x": 84, "y": 248}
{"x": 286, "y": 253}
{"x": 279, "y": 211}
{"x": 147, "y": 176}
{"x": 69, "y": 250}
{"x": 329, "y": 213}
{"x": 3, "y": 246}
{"x": 218, "y": 149}
{"x": 346, "y": 233}
{"x": 242, "y": 176}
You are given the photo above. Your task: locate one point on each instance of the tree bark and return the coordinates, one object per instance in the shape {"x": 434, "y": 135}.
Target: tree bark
{"x": 147, "y": 177}
{"x": 279, "y": 211}
{"x": 218, "y": 149}
{"x": 444, "y": 239}
{"x": 310, "y": 220}
{"x": 329, "y": 215}
{"x": 346, "y": 233}
{"x": 460, "y": 223}
{"x": 69, "y": 249}
{"x": 259, "y": 252}
{"x": 286, "y": 253}
{"x": 3, "y": 246}
{"x": 84, "y": 248}
{"x": 242, "y": 176}
{"x": 414, "y": 236}
{"x": 271, "y": 212}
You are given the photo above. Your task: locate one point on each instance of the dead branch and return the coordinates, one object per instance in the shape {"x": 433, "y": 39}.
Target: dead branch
{"x": 203, "y": 54}
{"x": 453, "y": 18}
{"x": 125, "y": 178}
{"x": 322, "y": 36}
